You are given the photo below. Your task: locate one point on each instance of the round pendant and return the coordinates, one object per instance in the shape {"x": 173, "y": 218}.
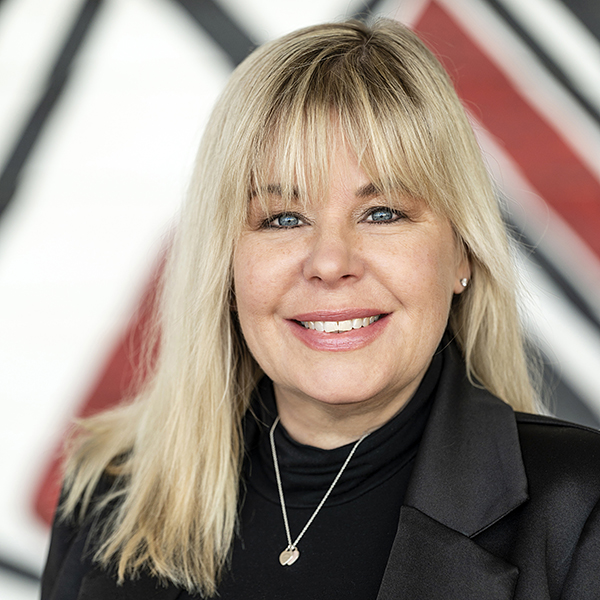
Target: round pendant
{"x": 289, "y": 556}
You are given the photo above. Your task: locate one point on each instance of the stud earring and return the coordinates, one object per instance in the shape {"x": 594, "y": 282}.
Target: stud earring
{"x": 464, "y": 281}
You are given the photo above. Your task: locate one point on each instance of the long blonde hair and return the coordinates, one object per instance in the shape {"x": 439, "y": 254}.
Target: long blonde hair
{"x": 175, "y": 451}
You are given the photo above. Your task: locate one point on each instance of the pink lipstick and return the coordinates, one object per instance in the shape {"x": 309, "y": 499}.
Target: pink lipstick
{"x": 342, "y": 330}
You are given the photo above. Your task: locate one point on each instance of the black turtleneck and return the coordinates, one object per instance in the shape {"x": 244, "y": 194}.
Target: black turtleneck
{"x": 345, "y": 550}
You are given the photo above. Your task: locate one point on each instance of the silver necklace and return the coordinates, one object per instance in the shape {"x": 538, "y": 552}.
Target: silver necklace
{"x": 291, "y": 554}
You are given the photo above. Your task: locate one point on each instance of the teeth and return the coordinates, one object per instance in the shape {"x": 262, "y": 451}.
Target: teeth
{"x": 344, "y": 325}
{"x": 331, "y": 326}
{"x": 340, "y": 326}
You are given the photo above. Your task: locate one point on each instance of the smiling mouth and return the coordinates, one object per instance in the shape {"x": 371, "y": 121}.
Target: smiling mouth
{"x": 339, "y": 326}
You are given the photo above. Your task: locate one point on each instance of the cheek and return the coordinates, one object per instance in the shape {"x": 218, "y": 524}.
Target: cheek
{"x": 423, "y": 276}
{"x": 443, "y": 258}
{"x": 260, "y": 277}
{"x": 249, "y": 304}
{"x": 246, "y": 278}
{"x": 442, "y": 278}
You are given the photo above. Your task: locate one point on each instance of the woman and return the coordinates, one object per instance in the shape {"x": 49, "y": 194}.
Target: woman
{"x": 333, "y": 408}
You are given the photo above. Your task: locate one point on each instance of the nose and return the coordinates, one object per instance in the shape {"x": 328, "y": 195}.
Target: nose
{"x": 334, "y": 257}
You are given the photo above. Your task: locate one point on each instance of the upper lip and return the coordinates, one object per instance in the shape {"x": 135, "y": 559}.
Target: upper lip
{"x": 338, "y": 315}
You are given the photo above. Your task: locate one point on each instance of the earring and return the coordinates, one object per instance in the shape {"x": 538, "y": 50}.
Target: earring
{"x": 464, "y": 282}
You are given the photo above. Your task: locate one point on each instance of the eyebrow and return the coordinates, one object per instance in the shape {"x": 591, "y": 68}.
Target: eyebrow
{"x": 274, "y": 189}
{"x": 368, "y": 190}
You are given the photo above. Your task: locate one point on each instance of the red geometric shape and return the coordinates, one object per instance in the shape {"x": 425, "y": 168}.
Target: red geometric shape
{"x": 549, "y": 164}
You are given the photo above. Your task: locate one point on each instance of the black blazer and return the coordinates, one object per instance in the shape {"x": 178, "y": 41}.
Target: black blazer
{"x": 500, "y": 506}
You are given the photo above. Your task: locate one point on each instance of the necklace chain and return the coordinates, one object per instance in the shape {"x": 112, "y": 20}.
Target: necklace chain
{"x": 291, "y": 552}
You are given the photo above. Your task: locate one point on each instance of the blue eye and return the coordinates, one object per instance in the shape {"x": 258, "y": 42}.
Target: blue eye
{"x": 283, "y": 221}
{"x": 382, "y": 214}
{"x": 287, "y": 220}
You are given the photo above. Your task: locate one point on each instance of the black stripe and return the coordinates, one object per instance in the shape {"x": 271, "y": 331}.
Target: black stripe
{"x": 18, "y": 571}
{"x": 9, "y": 178}
{"x": 368, "y": 10}
{"x": 229, "y": 35}
{"x": 219, "y": 25}
{"x": 562, "y": 400}
{"x": 565, "y": 402}
{"x": 557, "y": 394}
{"x": 536, "y": 254}
{"x": 588, "y": 12}
{"x": 544, "y": 59}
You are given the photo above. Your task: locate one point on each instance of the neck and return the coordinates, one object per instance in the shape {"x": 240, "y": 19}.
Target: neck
{"x": 322, "y": 425}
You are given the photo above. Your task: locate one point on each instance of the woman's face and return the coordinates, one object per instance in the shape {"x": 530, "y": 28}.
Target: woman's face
{"x": 346, "y": 301}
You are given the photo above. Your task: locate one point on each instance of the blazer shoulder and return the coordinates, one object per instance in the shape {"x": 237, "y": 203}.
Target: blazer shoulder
{"x": 546, "y": 433}
{"x": 524, "y": 419}
{"x": 557, "y": 452}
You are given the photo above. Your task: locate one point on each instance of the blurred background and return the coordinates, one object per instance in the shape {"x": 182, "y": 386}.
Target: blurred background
{"x": 102, "y": 105}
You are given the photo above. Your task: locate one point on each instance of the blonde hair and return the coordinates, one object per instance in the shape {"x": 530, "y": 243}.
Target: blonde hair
{"x": 175, "y": 451}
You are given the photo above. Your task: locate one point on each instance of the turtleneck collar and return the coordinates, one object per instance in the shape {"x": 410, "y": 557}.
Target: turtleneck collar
{"x": 307, "y": 471}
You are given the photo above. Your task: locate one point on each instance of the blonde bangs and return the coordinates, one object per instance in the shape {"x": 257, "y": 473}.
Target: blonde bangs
{"x": 376, "y": 99}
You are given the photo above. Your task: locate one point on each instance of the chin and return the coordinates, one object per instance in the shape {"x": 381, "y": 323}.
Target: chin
{"x": 342, "y": 394}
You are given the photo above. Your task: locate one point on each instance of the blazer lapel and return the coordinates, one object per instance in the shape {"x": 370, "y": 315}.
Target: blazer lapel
{"x": 431, "y": 561}
{"x": 468, "y": 474}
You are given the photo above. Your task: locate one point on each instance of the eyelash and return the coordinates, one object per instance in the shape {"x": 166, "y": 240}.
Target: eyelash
{"x": 269, "y": 223}
{"x": 396, "y": 214}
